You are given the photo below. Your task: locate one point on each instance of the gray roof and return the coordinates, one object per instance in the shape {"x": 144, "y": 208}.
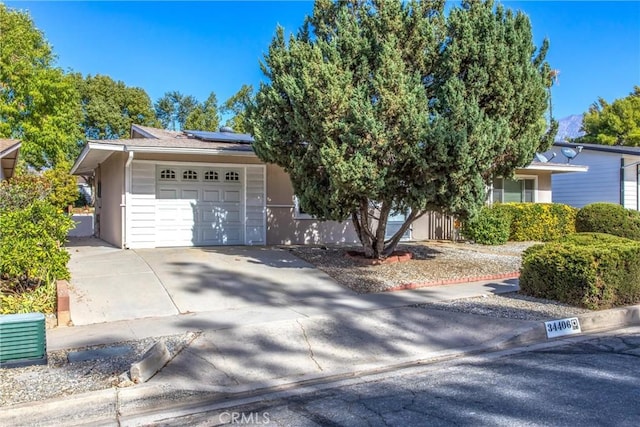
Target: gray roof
{"x": 176, "y": 143}
{"x": 618, "y": 149}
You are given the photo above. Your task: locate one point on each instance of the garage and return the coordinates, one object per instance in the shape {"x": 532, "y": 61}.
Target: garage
{"x": 199, "y": 206}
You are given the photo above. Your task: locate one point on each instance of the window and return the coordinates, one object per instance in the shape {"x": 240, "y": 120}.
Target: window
{"x": 168, "y": 174}
{"x": 514, "y": 190}
{"x": 232, "y": 176}
{"x": 211, "y": 176}
{"x": 190, "y": 175}
{"x": 298, "y": 212}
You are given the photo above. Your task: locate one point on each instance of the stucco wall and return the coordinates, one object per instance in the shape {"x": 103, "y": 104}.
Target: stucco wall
{"x": 544, "y": 188}
{"x": 110, "y": 176}
{"x": 282, "y": 226}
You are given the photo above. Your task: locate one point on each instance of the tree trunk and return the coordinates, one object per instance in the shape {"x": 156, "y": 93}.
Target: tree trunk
{"x": 373, "y": 240}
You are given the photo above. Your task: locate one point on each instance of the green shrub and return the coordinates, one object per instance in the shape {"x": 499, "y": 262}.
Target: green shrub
{"x": 22, "y": 190}
{"x": 489, "y": 227}
{"x": 609, "y": 218}
{"x": 56, "y": 185}
{"x": 588, "y": 270}
{"x": 31, "y": 241}
{"x": 41, "y": 299}
{"x": 541, "y": 222}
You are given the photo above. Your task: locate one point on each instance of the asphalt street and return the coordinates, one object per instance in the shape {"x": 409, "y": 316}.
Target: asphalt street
{"x": 587, "y": 382}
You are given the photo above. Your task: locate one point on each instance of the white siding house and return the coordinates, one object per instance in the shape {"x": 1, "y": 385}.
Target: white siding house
{"x": 613, "y": 176}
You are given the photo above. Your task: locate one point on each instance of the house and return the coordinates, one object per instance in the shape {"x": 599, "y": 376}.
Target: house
{"x": 613, "y": 176}
{"x": 193, "y": 188}
{"x": 9, "y": 151}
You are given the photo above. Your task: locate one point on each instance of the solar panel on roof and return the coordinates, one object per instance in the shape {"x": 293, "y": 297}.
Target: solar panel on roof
{"x": 239, "y": 138}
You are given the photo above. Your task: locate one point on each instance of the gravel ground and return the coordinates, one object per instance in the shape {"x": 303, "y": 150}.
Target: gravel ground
{"x": 60, "y": 378}
{"x": 509, "y": 306}
{"x": 437, "y": 261}
{"x": 431, "y": 262}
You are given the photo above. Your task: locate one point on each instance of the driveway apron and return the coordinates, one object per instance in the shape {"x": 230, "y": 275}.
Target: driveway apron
{"x": 110, "y": 284}
{"x": 215, "y": 279}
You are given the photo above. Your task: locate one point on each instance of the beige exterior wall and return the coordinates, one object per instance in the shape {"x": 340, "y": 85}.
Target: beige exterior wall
{"x": 544, "y": 188}
{"x": 543, "y": 178}
{"x": 110, "y": 175}
{"x": 283, "y": 228}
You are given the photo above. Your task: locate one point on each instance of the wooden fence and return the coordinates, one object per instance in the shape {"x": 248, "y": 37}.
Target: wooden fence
{"x": 440, "y": 227}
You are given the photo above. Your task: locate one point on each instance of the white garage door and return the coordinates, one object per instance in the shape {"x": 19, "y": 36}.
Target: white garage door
{"x": 199, "y": 206}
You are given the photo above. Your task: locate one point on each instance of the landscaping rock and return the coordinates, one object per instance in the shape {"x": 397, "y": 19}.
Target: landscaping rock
{"x": 153, "y": 360}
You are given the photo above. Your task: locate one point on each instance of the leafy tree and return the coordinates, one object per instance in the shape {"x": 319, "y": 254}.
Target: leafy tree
{"x": 110, "y": 107}
{"x": 238, "y": 105}
{"x": 614, "y": 124}
{"x": 378, "y": 107}
{"x": 173, "y": 109}
{"x": 39, "y": 103}
{"x": 204, "y": 116}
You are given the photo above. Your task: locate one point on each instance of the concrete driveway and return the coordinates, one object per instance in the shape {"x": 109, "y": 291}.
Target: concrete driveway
{"x": 110, "y": 284}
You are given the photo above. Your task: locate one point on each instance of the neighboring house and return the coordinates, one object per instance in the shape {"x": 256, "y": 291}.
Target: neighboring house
{"x": 613, "y": 176}
{"x": 531, "y": 184}
{"x": 164, "y": 188}
{"x": 9, "y": 151}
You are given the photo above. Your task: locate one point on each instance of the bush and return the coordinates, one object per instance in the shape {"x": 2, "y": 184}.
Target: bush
{"x": 609, "y": 218}
{"x": 41, "y": 299}
{"x": 55, "y": 185}
{"x": 541, "y": 222}
{"x": 31, "y": 239}
{"x": 587, "y": 270}
{"x": 489, "y": 227}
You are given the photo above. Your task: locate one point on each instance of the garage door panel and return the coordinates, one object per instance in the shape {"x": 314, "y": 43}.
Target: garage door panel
{"x": 232, "y": 196}
{"x": 197, "y": 210}
{"x": 189, "y": 194}
{"x": 167, "y": 193}
{"x": 211, "y": 195}
{"x": 233, "y": 216}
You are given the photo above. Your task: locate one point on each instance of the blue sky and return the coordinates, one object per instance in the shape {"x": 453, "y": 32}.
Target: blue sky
{"x": 199, "y": 47}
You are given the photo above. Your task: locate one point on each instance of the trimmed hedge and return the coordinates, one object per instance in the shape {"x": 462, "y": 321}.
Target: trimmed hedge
{"x": 589, "y": 270}
{"x": 489, "y": 227}
{"x": 541, "y": 222}
{"x": 609, "y": 218}
{"x": 523, "y": 221}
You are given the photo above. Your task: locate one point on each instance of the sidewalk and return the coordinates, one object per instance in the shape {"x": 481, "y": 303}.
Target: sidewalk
{"x": 241, "y": 353}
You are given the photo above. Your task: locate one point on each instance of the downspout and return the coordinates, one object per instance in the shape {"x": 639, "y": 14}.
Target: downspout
{"x": 126, "y": 201}
{"x": 622, "y": 182}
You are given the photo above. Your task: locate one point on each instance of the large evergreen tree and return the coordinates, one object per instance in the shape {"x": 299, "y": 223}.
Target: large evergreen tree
{"x": 617, "y": 123}
{"x": 39, "y": 103}
{"x": 381, "y": 106}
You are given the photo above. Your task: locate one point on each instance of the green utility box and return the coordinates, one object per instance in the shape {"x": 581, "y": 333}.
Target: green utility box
{"x": 23, "y": 340}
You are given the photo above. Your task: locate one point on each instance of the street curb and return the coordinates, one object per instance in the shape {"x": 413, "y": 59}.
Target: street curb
{"x": 409, "y": 286}
{"x": 130, "y": 406}
{"x": 597, "y": 321}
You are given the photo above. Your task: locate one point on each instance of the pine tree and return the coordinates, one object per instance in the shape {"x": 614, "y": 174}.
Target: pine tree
{"x": 377, "y": 107}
